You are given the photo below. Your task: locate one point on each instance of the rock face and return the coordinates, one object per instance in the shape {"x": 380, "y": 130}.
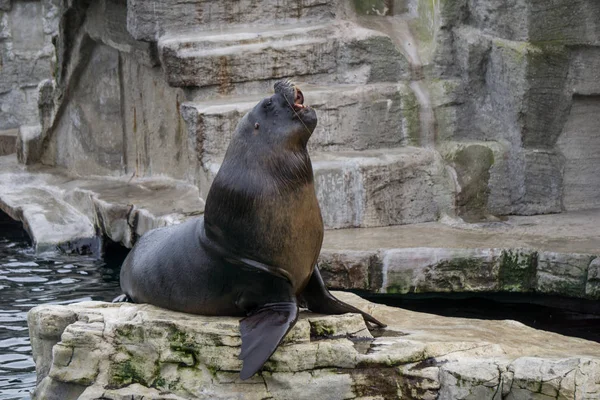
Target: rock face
{"x": 26, "y": 57}
{"x": 552, "y": 254}
{"x": 426, "y": 109}
{"x": 61, "y": 211}
{"x": 105, "y": 351}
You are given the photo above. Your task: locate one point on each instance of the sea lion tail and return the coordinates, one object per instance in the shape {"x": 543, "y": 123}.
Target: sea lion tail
{"x": 319, "y": 300}
{"x": 262, "y": 331}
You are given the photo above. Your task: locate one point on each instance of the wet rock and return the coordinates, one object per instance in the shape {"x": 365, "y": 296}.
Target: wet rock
{"x": 8, "y": 142}
{"x": 29, "y": 144}
{"x": 554, "y": 254}
{"x": 120, "y": 350}
{"x": 49, "y": 220}
{"x": 579, "y": 145}
{"x": 60, "y": 211}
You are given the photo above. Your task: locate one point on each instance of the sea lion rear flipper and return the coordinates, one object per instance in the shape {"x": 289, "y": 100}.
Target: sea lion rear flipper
{"x": 262, "y": 331}
{"x": 319, "y": 300}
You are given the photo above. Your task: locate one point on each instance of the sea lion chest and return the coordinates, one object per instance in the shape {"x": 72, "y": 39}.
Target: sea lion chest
{"x": 292, "y": 237}
{"x": 279, "y": 228}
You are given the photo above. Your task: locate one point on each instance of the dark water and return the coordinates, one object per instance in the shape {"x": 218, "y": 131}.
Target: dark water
{"x": 27, "y": 280}
{"x": 567, "y": 316}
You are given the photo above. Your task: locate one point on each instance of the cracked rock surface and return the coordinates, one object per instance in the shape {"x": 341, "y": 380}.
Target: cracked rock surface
{"x": 96, "y": 350}
{"x": 68, "y": 211}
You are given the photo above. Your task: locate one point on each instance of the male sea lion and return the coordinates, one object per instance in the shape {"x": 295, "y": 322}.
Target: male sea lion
{"x": 254, "y": 251}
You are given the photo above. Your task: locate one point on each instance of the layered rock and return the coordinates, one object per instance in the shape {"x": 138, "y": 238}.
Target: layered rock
{"x": 114, "y": 351}
{"x": 61, "y": 211}
{"x": 499, "y": 112}
{"x": 554, "y": 254}
{"x": 26, "y": 57}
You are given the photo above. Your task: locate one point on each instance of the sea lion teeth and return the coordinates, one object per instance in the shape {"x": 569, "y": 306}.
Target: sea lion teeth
{"x": 299, "y": 96}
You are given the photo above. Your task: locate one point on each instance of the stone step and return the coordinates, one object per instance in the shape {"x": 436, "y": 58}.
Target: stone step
{"x": 351, "y": 117}
{"x": 8, "y": 142}
{"x": 70, "y": 213}
{"x": 557, "y": 254}
{"x": 149, "y": 20}
{"x": 370, "y": 188}
{"x": 341, "y": 52}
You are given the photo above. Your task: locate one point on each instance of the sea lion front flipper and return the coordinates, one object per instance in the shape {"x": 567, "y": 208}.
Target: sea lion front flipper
{"x": 319, "y": 300}
{"x": 123, "y": 298}
{"x": 262, "y": 331}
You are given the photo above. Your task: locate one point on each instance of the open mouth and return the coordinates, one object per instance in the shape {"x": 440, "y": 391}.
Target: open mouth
{"x": 298, "y": 99}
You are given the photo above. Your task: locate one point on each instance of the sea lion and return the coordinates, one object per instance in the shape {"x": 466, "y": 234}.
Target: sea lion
{"x": 254, "y": 252}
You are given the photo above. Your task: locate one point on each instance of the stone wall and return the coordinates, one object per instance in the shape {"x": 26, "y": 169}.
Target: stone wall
{"x": 426, "y": 108}
{"x": 528, "y": 91}
{"x": 26, "y": 58}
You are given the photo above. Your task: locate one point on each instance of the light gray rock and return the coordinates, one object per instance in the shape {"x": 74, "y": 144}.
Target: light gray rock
{"x": 567, "y": 22}
{"x": 106, "y": 22}
{"x": 592, "y": 287}
{"x": 29, "y": 144}
{"x": 579, "y": 145}
{"x": 149, "y": 21}
{"x": 63, "y": 211}
{"x": 5, "y": 5}
{"x": 8, "y": 142}
{"x": 18, "y": 106}
{"x": 156, "y": 142}
{"x": 350, "y": 118}
{"x": 350, "y": 269}
{"x": 350, "y": 187}
{"x": 473, "y": 164}
{"x": 26, "y": 58}
{"x": 547, "y": 99}
{"x": 27, "y": 26}
{"x": 49, "y": 221}
{"x": 419, "y": 270}
{"x": 4, "y": 25}
{"x": 542, "y": 183}
{"x": 504, "y": 19}
{"x": 351, "y": 53}
{"x": 120, "y": 350}
{"x": 549, "y": 254}
{"x": 584, "y": 80}
{"x": 562, "y": 273}
{"x": 88, "y": 138}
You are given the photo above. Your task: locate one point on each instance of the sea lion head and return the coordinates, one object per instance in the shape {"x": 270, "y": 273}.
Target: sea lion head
{"x": 282, "y": 119}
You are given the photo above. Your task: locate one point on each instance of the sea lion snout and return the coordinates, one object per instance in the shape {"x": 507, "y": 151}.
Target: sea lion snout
{"x": 282, "y": 118}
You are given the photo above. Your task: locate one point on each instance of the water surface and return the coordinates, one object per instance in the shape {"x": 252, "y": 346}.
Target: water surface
{"x": 27, "y": 280}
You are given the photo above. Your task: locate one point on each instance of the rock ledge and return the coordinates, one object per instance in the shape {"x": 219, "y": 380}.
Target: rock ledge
{"x": 97, "y": 350}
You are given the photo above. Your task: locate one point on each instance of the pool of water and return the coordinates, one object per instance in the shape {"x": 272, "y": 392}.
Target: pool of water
{"x": 27, "y": 280}
{"x": 567, "y": 316}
